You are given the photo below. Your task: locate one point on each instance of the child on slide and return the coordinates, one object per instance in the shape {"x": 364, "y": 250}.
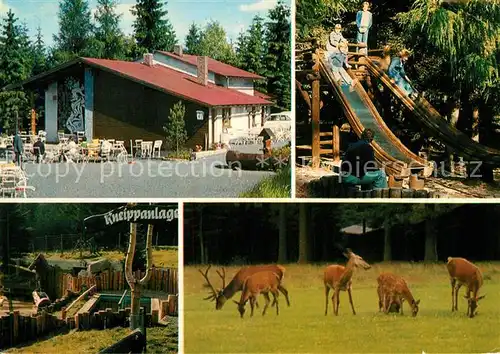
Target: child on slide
{"x": 337, "y": 61}
{"x": 335, "y": 37}
{"x": 396, "y": 72}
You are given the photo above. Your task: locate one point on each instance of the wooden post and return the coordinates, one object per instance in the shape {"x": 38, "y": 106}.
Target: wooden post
{"x": 15, "y": 325}
{"x": 315, "y": 123}
{"x": 171, "y": 305}
{"x": 336, "y": 143}
{"x": 33, "y": 122}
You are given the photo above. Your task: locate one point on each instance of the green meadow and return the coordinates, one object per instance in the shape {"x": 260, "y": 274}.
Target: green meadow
{"x": 303, "y": 327}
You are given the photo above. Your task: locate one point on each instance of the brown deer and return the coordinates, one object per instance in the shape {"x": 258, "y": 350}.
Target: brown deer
{"x": 259, "y": 283}
{"x": 463, "y": 272}
{"x": 384, "y": 302}
{"x": 393, "y": 289}
{"x": 339, "y": 278}
{"x": 236, "y": 284}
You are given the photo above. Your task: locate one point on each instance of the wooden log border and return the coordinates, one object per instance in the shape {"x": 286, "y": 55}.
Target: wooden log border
{"x": 331, "y": 187}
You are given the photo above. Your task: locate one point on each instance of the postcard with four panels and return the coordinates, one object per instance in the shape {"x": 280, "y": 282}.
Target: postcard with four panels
{"x": 186, "y": 176}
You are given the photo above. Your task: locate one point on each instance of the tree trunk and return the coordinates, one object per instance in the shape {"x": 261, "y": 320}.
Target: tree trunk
{"x": 303, "y": 239}
{"x": 485, "y": 136}
{"x": 387, "y": 241}
{"x": 475, "y": 123}
{"x": 430, "y": 235}
{"x": 453, "y": 119}
{"x": 282, "y": 247}
{"x": 135, "y": 284}
{"x": 4, "y": 233}
{"x": 135, "y": 307}
{"x": 200, "y": 236}
{"x": 464, "y": 122}
{"x": 498, "y": 242}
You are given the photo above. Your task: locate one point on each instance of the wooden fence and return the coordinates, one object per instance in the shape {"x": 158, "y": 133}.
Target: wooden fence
{"x": 162, "y": 279}
{"x": 16, "y": 329}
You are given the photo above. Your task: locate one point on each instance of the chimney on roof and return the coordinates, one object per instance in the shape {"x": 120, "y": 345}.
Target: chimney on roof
{"x": 148, "y": 59}
{"x": 202, "y": 69}
{"x": 178, "y": 49}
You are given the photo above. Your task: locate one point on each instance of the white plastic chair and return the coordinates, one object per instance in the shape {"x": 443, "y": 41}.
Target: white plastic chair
{"x": 80, "y": 135}
{"x": 144, "y": 149}
{"x": 157, "y": 146}
{"x": 138, "y": 147}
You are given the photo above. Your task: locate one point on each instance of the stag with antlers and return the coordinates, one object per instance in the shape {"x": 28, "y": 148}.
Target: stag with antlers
{"x": 236, "y": 284}
{"x": 339, "y": 278}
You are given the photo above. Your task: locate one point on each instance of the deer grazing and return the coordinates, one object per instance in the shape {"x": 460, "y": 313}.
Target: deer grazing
{"x": 259, "y": 283}
{"x": 386, "y": 303}
{"x": 337, "y": 278}
{"x": 393, "y": 290}
{"x": 236, "y": 284}
{"x": 463, "y": 272}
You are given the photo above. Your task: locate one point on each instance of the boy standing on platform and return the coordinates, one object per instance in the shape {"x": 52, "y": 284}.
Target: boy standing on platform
{"x": 364, "y": 23}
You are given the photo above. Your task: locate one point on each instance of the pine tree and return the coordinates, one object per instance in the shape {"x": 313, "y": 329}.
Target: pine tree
{"x": 13, "y": 66}
{"x": 25, "y": 47}
{"x": 75, "y": 29}
{"x": 254, "y": 53}
{"x": 39, "y": 54}
{"x": 278, "y": 36}
{"x": 13, "y": 69}
{"x": 152, "y": 28}
{"x": 108, "y": 30}
{"x": 175, "y": 128}
{"x": 241, "y": 48}
{"x": 193, "y": 40}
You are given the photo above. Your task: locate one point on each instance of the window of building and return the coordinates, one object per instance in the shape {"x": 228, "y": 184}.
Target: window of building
{"x": 226, "y": 117}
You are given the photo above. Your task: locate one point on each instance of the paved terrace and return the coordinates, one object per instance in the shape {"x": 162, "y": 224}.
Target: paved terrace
{"x": 208, "y": 177}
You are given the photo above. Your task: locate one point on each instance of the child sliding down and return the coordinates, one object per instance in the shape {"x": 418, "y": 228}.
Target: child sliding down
{"x": 337, "y": 60}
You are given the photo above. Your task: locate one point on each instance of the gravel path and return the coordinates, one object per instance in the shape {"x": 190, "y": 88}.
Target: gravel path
{"x": 197, "y": 179}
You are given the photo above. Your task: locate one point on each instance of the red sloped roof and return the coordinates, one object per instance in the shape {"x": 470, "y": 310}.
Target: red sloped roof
{"x": 177, "y": 83}
{"x": 261, "y": 95}
{"x": 214, "y": 66}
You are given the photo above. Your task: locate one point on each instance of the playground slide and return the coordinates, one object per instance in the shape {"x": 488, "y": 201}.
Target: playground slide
{"x": 436, "y": 125}
{"x": 362, "y": 114}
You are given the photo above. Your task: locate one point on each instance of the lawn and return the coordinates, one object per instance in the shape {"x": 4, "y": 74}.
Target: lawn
{"x": 304, "y": 328}
{"x": 160, "y": 340}
{"x": 276, "y": 186}
{"x": 161, "y": 257}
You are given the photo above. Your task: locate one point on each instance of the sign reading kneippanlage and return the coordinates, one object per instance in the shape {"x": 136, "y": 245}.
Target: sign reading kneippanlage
{"x": 137, "y": 214}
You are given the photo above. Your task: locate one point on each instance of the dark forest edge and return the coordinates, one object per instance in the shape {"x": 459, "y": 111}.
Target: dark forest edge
{"x": 318, "y": 233}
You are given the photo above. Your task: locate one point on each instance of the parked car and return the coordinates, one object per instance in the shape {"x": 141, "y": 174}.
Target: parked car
{"x": 279, "y": 120}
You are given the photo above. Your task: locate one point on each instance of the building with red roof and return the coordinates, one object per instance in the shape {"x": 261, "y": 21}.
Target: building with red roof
{"x": 123, "y": 100}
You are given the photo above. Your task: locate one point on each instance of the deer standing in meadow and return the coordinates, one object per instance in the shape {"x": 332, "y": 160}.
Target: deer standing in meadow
{"x": 463, "y": 272}
{"x": 337, "y": 278}
{"x": 259, "y": 283}
{"x": 394, "y": 305}
{"x": 236, "y": 284}
{"x": 393, "y": 289}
